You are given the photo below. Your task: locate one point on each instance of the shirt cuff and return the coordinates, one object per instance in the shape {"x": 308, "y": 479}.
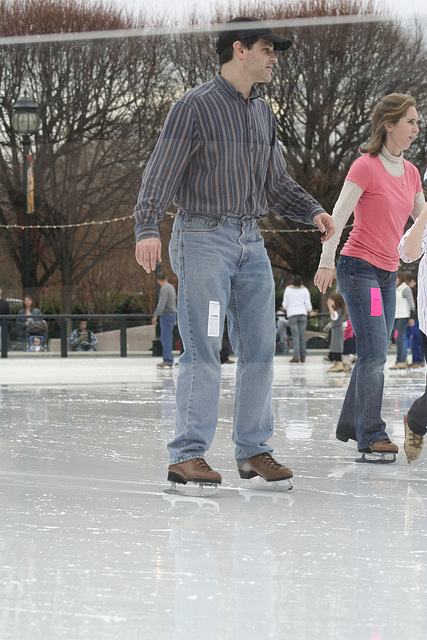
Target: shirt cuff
{"x": 147, "y": 231}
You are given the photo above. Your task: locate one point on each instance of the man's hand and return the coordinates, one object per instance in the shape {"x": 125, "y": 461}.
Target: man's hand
{"x": 324, "y": 278}
{"x": 154, "y": 320}
{"x": 148, "y": 252}
{"x": 325, "y": 224}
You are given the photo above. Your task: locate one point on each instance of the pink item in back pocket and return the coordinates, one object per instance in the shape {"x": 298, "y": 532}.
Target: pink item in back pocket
{"x": 376, "y": 302}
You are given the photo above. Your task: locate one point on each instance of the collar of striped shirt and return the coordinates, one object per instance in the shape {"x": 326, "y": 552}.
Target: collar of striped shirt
{"x": 230, "y": 90}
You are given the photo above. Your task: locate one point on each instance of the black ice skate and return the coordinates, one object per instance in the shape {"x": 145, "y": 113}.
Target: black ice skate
{"x": 265, "y": 473}
{"x": 197, "y": 472}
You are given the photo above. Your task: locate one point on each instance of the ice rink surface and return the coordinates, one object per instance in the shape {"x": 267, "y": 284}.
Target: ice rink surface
{"x": 92, "y": 548}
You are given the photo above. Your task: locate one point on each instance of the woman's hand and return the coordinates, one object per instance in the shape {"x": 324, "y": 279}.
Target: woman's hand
{"x": 324, "y": 278}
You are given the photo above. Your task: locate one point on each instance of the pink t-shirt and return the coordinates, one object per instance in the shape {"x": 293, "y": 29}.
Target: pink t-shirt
{"x": 382, "y": 211}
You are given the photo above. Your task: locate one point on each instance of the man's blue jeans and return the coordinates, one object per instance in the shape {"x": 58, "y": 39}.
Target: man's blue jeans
{"x": 370, "y": 297}
{"x": 167, "y": 323}
{"x": 223, "y": 269}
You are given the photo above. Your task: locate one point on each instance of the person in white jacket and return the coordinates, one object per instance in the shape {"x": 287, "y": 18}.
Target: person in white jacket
{"x": 405, "y": 310}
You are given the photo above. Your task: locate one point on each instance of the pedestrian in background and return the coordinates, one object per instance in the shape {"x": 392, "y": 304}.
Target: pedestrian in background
{"x": 338, "y": 314}
{"x": 297, "y": 305}
{"x": 165, "y": 315}
{"x": 4, "y": 308}
{"x": 405, "y": 310}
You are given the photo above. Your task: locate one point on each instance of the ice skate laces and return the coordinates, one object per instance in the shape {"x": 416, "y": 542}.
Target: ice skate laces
{"x": 202, "y": 465}
{"x": 415, "y": 440}
{"x": 268, "y": 461}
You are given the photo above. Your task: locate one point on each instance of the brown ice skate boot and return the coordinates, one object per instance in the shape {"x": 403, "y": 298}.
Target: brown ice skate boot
{"x": 265, "y": 466}
{"x": 197, "y": 471}
{"x": 385, "y": 451}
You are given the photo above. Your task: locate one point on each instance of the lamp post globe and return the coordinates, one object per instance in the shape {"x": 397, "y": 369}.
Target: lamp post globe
{"x": 25, "y": 116}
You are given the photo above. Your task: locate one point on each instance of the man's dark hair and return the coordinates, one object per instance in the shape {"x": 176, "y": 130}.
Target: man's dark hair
{"x": 160, "y": 276}
{"x": 227, "y": 54}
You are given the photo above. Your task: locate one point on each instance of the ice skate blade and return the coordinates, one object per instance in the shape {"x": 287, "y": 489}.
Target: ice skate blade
{"x": 193, "y": 489}
{"x": 377, "y": 458}
{"x": 259, "y": 484}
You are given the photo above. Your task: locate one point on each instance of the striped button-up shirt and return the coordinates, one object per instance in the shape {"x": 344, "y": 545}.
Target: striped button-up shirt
{"x": 218, "y": 154}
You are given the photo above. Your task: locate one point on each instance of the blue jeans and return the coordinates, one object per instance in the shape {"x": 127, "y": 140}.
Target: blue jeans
{"x": 167, "y": 323}
{"x": 399, "y": 329}
{"x": 416, "y": 343}
{"x": 223, "y": 269}
{"x": 417, "y": 414}
{"x": 370, "y": 296}
{"x": 298, "y": 324}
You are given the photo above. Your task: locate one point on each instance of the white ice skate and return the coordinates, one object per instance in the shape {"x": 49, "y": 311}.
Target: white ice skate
{"x": 192, "y": 489}
{"x": 259, "y": 484}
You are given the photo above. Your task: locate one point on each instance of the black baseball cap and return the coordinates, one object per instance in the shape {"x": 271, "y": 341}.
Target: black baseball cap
{"x": 244, "y": 30}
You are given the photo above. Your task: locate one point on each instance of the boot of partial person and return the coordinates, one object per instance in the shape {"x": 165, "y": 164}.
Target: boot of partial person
{"x": 398, "y": 365}
{"x": 413, "y": 442}
{"x": 338, "y": 366}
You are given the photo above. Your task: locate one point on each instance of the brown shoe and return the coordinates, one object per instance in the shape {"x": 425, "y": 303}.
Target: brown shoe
{"x": 382, "y": 446}
{"x": 294, "y": 360}
{"x": 413, "y": 442}
{"x": 264, "y": 465}
{"x": 398, "y": 365}
{"x": 164, "y": 364}
{"x": 302, "y": 359}
{"x": 194, "y": 470}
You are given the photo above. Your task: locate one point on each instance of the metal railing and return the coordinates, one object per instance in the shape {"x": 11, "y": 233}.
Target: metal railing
{"x": 64, "y": 319}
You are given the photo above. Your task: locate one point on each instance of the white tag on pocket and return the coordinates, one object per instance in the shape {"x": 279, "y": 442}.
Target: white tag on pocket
{"x": 213, "y": 322}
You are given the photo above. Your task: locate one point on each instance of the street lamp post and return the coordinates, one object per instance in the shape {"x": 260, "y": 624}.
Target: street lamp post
{"x": 25, "y": 122}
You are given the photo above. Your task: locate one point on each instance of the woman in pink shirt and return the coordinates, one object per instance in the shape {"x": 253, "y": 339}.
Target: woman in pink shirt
{"x": 383, "y": 190}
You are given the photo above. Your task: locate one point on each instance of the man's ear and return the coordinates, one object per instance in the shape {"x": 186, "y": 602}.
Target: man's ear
{"x": 239, "y": 49}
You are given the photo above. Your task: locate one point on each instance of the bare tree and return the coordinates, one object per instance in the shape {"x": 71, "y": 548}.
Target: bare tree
{"x": 102, "y": 104}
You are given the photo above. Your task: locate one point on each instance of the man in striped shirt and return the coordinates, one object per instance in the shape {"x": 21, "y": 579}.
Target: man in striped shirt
{"x": 219, "y": 161}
